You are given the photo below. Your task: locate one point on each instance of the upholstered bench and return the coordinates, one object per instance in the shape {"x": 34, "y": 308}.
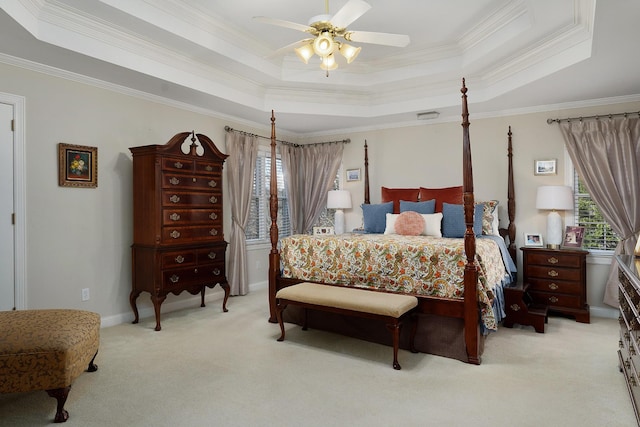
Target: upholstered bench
{"x": 350, "y": 301}
{"x": 47, "y": 350}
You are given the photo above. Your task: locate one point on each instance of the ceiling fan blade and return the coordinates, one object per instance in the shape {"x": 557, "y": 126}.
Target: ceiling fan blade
{"x": 387, "y": 39}
{"x": 288, "y": 48}
{"x": 282, "y": 23}
{"x": 351, "y": 11}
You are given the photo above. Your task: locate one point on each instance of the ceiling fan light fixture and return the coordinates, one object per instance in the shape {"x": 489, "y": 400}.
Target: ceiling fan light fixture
{"x": 349, "y": 52}
{"x": 324, "y": 44}
{"x": 305, "y": 52}
{"x": 328, "y": 63}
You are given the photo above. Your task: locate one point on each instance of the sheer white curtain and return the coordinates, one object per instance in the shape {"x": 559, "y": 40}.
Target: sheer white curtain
{"x": 309, "y": 172}
{"x": 606, "y": 154}
{"x": 241, "y": 164}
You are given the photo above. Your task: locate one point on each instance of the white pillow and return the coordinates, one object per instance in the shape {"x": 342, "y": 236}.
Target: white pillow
{"x": 391, "y": 221}
{"x": 495, "y": 224}
{"x": 432, "y": 224}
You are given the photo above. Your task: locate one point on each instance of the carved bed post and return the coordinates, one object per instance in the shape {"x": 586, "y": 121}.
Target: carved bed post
{"x": 366, "y": 173}
{"x": 274, "y": 255}
{"x": 511, "y": 202}
{"x": 470, "y": 270}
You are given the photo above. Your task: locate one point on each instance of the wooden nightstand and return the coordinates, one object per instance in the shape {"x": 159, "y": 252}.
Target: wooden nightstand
{"x": 557, "y": 278}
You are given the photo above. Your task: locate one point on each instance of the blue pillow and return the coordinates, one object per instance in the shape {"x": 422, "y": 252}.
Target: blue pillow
{"x": 375, "y": 216}
{"x": 453, "y": 224}
{"x": 427, "y": 207}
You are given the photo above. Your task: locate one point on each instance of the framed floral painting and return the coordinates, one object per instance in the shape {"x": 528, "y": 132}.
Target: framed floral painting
{"x": 77, "y": 166}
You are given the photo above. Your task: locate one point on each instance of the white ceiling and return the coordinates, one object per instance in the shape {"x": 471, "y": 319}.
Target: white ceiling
{"x": 518, "y": 55}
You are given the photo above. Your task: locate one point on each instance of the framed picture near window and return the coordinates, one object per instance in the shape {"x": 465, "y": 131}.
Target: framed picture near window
{"x": 353, "y": 174}
{"x": 322, "y": 231}
{"x": 533, "y": 239}
{"x": 545, "y": 167}
{"x": 573, "y": 237}
{"x": 77, "y": 166}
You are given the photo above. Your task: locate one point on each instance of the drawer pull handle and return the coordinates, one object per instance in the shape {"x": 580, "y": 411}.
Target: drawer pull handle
{"x": 213, "y": 216}
{"x": 553, "y": 299}
{"x": 552, "y": 260}
{"x": 216, "y": 271}
{"x": 213, "y": 199}
{"x": 174, "y": 216}
{"x": 553, "y": 286}
{"x": 174, "y": 199}
{"x": 195, "y": 270}
{"x": 213, "y": 232}
{"x": 194, "y": 179}
{"x": 179, "y": 259}
{"x": 208, "y": 168}
{"x": 553, "y": 273}
{"x": 174, "y": 278}
{"x": 212, "y": 255}
{"x": 175, "y": 234}
{"x": 213, "y": 183}
{"x": 178, "y": 165}
{"x": 174, "y": 181}
{"x": 515, "y": 307}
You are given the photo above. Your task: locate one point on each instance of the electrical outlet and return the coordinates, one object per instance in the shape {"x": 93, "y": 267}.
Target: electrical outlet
{"x": 85, "y": 294}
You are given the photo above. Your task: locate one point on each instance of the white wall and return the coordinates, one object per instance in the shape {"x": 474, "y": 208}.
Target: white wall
{"x": 78, "y": 238}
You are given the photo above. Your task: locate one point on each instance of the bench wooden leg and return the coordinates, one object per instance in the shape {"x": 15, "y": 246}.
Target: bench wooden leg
{"x": 305, "y": 324}
{"x": 395, "y": 333}
{"x": 414, "y": 329}
{"x": 60, "y": 394}
{"x": 279, "y": 309}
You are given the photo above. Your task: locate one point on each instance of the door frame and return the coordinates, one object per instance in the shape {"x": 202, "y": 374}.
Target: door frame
{"x": 19, "y": 196}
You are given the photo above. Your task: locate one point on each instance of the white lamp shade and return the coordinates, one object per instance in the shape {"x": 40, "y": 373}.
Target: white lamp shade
{"x": 339, "y": 199}
{"x": 555, "y": 197}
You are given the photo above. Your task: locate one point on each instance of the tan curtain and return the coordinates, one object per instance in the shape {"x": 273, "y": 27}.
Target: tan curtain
{"x": 606, "y": 154}
{"x": 241, "y": 164}
{"x": 309, "y": 172}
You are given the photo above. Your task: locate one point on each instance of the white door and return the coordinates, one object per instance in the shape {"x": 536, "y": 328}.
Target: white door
{"x": 7, "y": 212}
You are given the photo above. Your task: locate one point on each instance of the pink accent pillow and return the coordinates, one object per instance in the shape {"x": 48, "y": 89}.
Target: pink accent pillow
{"x": 410, "y": 224}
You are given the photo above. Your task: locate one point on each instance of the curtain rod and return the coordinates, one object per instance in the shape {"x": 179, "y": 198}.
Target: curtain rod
{"x": 230, "y": 129}
{"x": 610, "y": 116}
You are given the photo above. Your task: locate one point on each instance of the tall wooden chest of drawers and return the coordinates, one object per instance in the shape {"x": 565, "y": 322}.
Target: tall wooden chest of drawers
{"x": 629, "y": 344}
{"x": 178, "y": 242}
{"x": 557, "y": 278}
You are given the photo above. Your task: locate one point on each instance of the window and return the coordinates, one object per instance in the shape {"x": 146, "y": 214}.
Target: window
{"x": 598, "y": 233}
{"x": 259, "y": 218}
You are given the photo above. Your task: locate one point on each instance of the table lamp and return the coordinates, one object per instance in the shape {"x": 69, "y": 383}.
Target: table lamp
{"x": 339, "y": 200}
{"x": 554, "y": 198}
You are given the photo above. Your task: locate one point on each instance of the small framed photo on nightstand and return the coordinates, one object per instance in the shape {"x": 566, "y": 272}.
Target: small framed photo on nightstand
{"x": 533, "y": 240}
{"x": 573, "y": 237}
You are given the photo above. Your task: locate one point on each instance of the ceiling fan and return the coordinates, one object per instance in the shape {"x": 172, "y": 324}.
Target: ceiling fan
{"x": 326, "y": 28}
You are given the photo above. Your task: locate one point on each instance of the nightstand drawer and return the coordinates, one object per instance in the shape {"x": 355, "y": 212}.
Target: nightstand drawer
{"x": 554, "y": 258}
{"x": 553, "y": 273}
{"x": 555, "y": 286}
{"x": 556, "y": 300}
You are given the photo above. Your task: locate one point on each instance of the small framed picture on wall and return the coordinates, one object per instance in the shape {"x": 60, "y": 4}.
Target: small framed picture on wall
{"x": 545, "y": 167}
{"x": 353, "y": 174}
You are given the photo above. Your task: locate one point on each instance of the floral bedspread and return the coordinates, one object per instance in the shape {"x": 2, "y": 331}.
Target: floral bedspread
{"x": 418, "y": 265}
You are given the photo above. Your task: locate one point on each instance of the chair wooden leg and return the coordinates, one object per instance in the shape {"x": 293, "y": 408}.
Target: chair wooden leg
{"x": 395, "y": 333}
{"x": 60, "y": 394}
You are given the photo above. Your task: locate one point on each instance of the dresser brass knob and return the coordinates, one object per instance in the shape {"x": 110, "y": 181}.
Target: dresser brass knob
{"x": 178, "y": 165}
{"x": 212, "y": 255}
{"x": 195, "y": 270}
{"x": 213, "y": 216}
{"x": 174, "y": 181}
{"x": 552, "y": 260}
{"x": 213, "y": 184}
{"x": 174, "y": 278}
{"x": 213, "y": 199}
{"x": 515, "y": 307}
{"x": 208, "y": 168}
{"x": 553, "y": 286}
{"x": 174, "y": 199}
{"x": 553, "y": 273}
{"x": 553, "y": 299}
{"x": 179, "y": 259}
{"x": 174, "y": 217}
{"x": 213, "y": 232}
{"x": 175, "y": 234}
{"x": 216, "y": 271}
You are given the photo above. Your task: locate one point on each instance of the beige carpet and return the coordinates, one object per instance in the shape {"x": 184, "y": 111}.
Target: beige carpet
{"x": 208, "y": 368}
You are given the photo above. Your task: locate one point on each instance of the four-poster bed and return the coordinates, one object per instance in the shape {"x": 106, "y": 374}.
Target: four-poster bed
{"x": 452, "y": 321}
